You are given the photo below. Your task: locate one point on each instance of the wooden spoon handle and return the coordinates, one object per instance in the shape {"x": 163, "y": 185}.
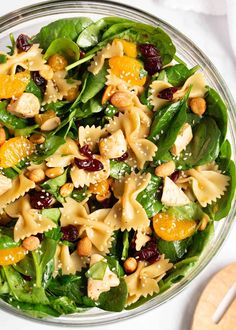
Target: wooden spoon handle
{"x": 210, "y": 299}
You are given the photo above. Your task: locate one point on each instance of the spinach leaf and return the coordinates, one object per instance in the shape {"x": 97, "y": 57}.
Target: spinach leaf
{"x": 63, "y": 28}
{"x": 114, "y": 266}
{"x": 115, "y": 299}
{"x": 119, "y": 169}
{"x": 167, "y": 124}
{"x": 217, "y": 109}
{"x": 79, "y": 194}
{"x": 204, "y": 147}
{"x": 59, "y": 107}
{"x": 97, "y": 271}
{"x": 63, "y": 46}
{"x": 191, "y": 211}
{"x": 21, "y": 291}
{"x": 92, "y": 34}
{"x": 7, "y": 238}
{"x": 116, "y": 245}
{"x": 200, "y": 240}
{"x": 9, "y": 120}
{"x": 148, "y": 198}
{"x": 53, "y": 186}
{"x": 90, "y": 107}
{"x": 34, "y": 310}
{"x": 26, "y": 266}
{"x": 25, "y": 131}
{"x": 34, "y": 89}
{"x": 67, "y": 285}
{"x": 64, "y": 305}
{"x": 52, "y": 213}
{"x": 173, "y": 250}
{"x": 51, "y": 144}
{"x": 179, "y": 73}
{"x": 43, "y": 261}
{"x": 94, "y": 84}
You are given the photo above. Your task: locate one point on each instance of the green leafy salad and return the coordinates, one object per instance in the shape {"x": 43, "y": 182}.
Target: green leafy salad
{"x": 114, "y": 166}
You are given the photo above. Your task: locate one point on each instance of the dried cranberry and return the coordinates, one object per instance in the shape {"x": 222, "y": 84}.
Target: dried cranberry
{"x": 148, "y": 253}
{"x": 23, "y": 43}
{"x": 86, "y": 151}
{"x": 70, "y": 233}
{"x": 148, "y": 50}
{"x": 174, "y": 176}
{"x": 40, "y": 236}
{"x": 26, "y": 277}
{"x": 90, "y": 165}
{"x": 123, "y": 157}
{"x": 39, "y": 80}
{"x": 152, "y": 58}
{"x": 40, "y": 199}
{"x": 82, "y": 54}
{"x": 167, "y": 93}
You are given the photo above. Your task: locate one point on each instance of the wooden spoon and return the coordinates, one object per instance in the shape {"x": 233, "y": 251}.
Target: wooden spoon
{"x": 210, "y": 299}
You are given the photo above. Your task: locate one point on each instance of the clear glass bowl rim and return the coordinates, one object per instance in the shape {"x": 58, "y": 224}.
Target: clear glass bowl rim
{"x": 109, "y": 8}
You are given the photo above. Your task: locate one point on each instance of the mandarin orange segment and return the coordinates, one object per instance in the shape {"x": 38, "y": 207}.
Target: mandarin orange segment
{"x": 130, "y": 48}
{"x": 13, "y": 85}
{"x": 128, "y": 69}
{"x": 12, "y": 255}
{"x": 171, "y": 229}
{"x": 14, "y": 150}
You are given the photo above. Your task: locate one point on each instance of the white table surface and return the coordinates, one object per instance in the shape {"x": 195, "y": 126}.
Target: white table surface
{"x": 211, "y": 35}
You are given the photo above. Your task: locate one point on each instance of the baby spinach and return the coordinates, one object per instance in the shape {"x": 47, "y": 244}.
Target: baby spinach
{"x": 114, "y": 266}
{"x": 34, "y": 89}
{"x": 92, "y": 106}
{"x": 34, "y": 310}
{"x": 179, "y": 73}
{"x": 119, "y": 169}
{"x": 21, "y": 290}
{"x": 65, "y": 47}
{"x": 97, "y": 271}
{"x": 7, "y": 238}
{"x": 25, "y": 131}
{"x": 64, "y": 305}
{"x": 92, "y": 34}
{"x": 79, "y": 194}
{"x": 52, "y": 213}
{"x": 191, "y": 211}
{"x": 63, "y": 28}
{"x": 217, "y": 109}
{"x": 167, "y": 124}
{"x": 43, "y": 261}
{"x": 51, "y": 144}
{"x": 148, "y": 198}
{"x": 53, "y": 186}
{"x": 67, "y": 285}
{"x": 173, "y": 250}
{"x": 9, "y": 120}
{"x": 204, "y": 147}
{"x": 115, "y": 299}
{"x": 94, "y": 84}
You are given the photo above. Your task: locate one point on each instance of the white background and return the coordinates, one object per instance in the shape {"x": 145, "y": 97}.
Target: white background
{"x": 210, "y": 33}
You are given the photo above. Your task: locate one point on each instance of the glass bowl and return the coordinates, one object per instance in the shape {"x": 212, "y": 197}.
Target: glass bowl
{"x": 29, "y": 20}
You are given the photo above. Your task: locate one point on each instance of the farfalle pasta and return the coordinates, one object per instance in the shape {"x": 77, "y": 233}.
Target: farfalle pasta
{"x": 144, "y": 281}
{"x": 30, "y": 221}
{"x": 114, "y": 166}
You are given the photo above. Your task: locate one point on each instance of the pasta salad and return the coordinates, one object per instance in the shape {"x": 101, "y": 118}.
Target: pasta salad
{"x": 114, "y": 166}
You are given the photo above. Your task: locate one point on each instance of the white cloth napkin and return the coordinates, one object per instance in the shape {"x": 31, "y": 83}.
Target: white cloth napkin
{"x": 210, "y": 7}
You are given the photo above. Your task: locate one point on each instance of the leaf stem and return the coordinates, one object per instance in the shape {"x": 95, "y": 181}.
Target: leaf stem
{"x": 83, "y": 60}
